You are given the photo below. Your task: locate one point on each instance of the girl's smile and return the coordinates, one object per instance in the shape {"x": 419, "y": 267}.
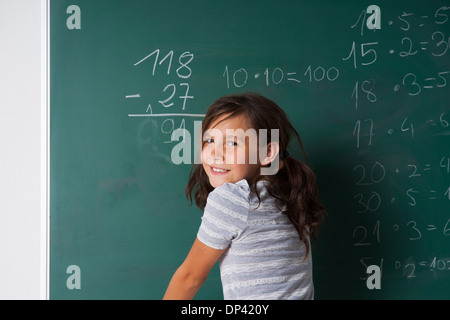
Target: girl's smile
{"x": 218, "y": 171}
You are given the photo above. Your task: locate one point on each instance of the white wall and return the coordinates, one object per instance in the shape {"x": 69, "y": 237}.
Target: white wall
{"x": 23, "y": 123}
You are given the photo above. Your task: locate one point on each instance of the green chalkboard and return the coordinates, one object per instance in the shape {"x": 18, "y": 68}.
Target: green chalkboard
{"x": 367, "y": 88}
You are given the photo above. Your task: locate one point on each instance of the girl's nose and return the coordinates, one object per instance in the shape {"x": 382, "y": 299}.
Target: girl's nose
{"x": 213, "y": 154}
{"x": 217, "y": 154}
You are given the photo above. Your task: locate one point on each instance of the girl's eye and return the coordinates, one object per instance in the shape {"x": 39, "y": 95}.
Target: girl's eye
{"x": 232, "y": 143}
{"x": 210, "y": 140}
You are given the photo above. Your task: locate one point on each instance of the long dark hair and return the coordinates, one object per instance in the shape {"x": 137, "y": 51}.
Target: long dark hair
{"x": 294, "y": 185}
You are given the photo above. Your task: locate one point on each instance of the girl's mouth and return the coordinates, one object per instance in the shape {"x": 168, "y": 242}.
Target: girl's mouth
{"x": 219, "y": 171}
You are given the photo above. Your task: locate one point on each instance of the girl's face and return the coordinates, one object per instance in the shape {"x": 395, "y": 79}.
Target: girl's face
{"x": 227, "y": 155}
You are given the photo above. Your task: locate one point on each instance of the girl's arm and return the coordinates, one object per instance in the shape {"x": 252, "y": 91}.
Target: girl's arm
{"x": 190, "y": 276}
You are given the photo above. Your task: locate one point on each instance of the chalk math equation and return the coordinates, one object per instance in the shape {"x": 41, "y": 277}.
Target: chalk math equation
{"x": 377, "y": 198}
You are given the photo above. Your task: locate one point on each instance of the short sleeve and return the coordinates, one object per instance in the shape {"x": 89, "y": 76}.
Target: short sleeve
{"x": 225, "y": 214}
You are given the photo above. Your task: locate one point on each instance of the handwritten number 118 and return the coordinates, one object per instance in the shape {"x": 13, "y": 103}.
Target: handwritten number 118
{"x": 183, "y": 71}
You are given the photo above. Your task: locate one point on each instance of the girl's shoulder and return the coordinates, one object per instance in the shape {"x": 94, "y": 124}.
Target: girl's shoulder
{"x": 238, "y": 193}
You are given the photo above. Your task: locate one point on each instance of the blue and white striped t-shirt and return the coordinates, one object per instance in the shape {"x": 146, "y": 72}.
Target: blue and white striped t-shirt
{"x": 265, "y": 257}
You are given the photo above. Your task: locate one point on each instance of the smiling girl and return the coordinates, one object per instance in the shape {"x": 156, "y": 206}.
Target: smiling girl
{"x": 257, "y": 225}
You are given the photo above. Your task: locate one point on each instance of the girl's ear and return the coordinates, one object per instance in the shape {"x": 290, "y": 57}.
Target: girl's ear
{"x": 273, "y": 149}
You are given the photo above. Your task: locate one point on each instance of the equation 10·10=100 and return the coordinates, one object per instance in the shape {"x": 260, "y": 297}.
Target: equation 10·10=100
{"x": 240, "y": 77}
